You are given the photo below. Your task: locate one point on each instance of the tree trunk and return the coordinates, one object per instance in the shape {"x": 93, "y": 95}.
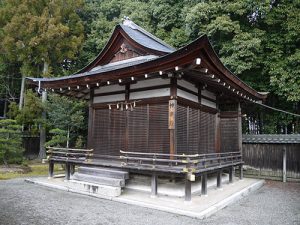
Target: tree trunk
{"x": 42, "y": 153}
{"x": 45, "y": 68}
{"x": 22, "y": 93}
{"x": 68, "y": 137}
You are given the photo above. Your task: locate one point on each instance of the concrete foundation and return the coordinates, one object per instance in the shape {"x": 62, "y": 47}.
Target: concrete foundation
{"x": 166, "y": 200}
{"x": 175, "y": 188}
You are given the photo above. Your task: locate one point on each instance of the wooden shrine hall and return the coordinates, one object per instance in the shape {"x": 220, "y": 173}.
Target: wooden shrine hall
{"x": 156, "y": 110}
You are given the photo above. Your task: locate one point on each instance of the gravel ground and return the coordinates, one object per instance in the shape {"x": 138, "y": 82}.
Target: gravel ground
{"x": 24, "y": 203}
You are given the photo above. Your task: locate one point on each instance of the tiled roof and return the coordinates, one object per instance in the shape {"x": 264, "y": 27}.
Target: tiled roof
{"x": 102, "y": 69}
{"x": 272, "y": 138}
{"x": 145, "y": 38}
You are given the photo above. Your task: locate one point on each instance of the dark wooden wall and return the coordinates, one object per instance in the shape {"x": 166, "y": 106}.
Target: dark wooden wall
{"x": 265, "y": 160}
{"x": 145, "y": 129}
{"x": 195, "y": 131}
{"x": 31, "y": 146}
{"x": 229, "y": 134}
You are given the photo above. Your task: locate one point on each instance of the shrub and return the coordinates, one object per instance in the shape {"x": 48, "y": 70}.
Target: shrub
{"x": 11, "y": 150}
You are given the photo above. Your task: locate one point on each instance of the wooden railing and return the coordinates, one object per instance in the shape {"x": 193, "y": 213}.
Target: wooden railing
{"x": 195, "y": 163}
{"x": 67, "y": 154}
{"x": 188, "y": 165}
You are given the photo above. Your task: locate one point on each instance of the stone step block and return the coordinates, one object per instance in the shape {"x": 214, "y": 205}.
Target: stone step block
{"x": 104, "y": 172}
{"x": 114, "y": 182}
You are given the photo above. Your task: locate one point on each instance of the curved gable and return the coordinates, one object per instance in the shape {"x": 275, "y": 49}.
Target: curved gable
{"x": 128, "y": 40}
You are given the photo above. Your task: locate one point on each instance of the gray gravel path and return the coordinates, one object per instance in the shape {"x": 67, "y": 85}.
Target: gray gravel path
{"x": 23, "y": 203}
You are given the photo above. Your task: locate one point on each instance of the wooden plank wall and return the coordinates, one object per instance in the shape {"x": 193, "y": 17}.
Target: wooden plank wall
{"x": 145, "y": 129}
{"x": 195, "y": 131}
{"x": 265, "y": 160}
{"x": 31, "y": 145}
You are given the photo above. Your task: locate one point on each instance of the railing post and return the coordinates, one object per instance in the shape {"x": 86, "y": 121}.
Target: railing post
{"x": 72, "y": 169}
{"x": 188, "y": 188}
{"x": 231, "y": 174}
{"x": 51, "y": 168}
{"x": 219, "y": 179}
{"x": 67, "y": 171}
{"x": 284, "y": 165}
{"x": 204, "y": 184}
{"x": 154, "y": 185}
{"x": 241, "y": 172}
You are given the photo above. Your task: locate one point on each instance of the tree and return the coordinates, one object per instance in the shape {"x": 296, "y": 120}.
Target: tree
{"x": 67, "y": 116}
{"x": 281, "y": 48}
{"x": 10, "y": 142}
{"x": 43, "y": 36}
{"x": 30, "y": 116}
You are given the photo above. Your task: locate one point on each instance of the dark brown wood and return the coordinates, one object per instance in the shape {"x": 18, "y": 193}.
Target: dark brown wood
{"x": 218, "y": 130}
{"x": 51, "y": 168}
{"x": 218, "y": 133}
{"x": 239, "y": 123}
{"x": 219, "y": 178}
{"x": 204, "y": 184}
{"x": 174, "y": 86}
{"x": 67, "y": 171}
{"x": 231, "y": 171}
{"x": 91, "y": 119}
{"x": 265, "y": 160}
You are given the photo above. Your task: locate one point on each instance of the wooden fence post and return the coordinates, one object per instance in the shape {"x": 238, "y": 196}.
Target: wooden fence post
{"x": 154, "y": 185}
{"x": 284, "y": 165}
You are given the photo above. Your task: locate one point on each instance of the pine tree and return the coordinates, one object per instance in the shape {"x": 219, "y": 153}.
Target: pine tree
{"x": 10, "y": 142}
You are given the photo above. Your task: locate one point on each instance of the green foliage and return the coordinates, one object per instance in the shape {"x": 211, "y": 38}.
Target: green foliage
{"x": 79, "y": 142}
{"x": 257, "y": 40}
{"x": 10, "y": 142}
{"x": 58, "y": 139}
{"x": 67, "y": 115}
{"x": 43, "y": 36}
{"x": 30, "y": 116}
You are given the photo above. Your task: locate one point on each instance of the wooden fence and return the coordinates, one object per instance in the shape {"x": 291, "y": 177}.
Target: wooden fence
{"x": 265, "y": 156}
{"x": 31, "y": 145}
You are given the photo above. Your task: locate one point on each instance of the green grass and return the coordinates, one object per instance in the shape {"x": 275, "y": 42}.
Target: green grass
{"x": 36, "y": 169}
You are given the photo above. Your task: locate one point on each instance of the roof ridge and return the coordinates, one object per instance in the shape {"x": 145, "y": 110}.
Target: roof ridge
{"x": 129, "y": 23}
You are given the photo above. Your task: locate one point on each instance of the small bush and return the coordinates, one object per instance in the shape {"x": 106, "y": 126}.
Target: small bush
{"x": 11, "y": 150}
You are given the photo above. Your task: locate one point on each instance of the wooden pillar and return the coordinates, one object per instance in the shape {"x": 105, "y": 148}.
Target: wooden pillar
{"x": 188, "y": 189}
{"x": 67, "y": 171}
{"x": 219, "y": 178}
{"x": 154, "y": 185}
{"x": 231, "y": 174}
{"x": 42, "y": 152}
{"x": 218, "y": 133}
{"x": 241, "y": 172}
{"x": 204, "y": 184}
{"x": 90, "y": 120}
{"x": 239, "y": 118}
{"x": 172, "y": 116}
{"x": 284, "y": 165}
{"x": 51, "y": 169}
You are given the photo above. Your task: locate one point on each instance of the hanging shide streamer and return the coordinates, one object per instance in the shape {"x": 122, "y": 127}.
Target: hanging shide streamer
{"x": 123, "y": 105}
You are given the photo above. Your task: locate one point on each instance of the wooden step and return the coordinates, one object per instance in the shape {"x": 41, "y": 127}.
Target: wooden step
{"x": 104, "y": 172}
{"x": 114, "y": 182}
